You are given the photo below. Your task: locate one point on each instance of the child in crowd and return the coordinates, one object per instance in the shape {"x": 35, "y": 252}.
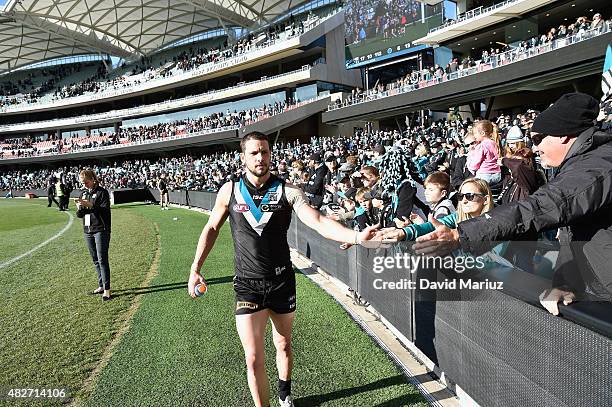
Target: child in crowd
{"x": 437, "y": 192}
{"x": 482, "y": 160}
{"x": 364, "y": 214}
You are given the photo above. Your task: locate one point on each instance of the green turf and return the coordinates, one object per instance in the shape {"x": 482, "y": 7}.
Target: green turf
{"x": 26, "y": 226}
{"x": 52, "y": 333}
{"x": 180, "y": 351}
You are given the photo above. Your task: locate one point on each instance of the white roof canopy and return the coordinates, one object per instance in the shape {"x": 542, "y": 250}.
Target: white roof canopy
{"x": 36, "y": 30}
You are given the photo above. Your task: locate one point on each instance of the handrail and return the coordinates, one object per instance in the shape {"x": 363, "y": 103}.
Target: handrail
{"x": 492, "y": 62}
{"x": 169, "y": 138}
{"x": 154, "y": 107}
{"x": 472, "y": 14}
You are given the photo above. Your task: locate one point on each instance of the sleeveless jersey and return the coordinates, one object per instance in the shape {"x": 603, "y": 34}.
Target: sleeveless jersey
{"x": 259, "y": 220}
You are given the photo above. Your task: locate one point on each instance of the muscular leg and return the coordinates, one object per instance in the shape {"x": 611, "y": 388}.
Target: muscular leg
{"x": 282, "y": 326}
{"x": 252, "y": 329}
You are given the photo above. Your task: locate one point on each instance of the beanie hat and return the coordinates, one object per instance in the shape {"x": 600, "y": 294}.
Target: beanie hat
{"x": 571, "y": 114}
{"x": 514, "y": 135}
{"x": 316, "y": 157}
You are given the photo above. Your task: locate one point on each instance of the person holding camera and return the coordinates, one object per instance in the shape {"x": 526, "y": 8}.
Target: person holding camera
{"x": 93, "y": 206}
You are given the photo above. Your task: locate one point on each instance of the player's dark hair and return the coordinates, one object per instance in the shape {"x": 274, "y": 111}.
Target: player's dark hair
{"x": 254, "y": 136}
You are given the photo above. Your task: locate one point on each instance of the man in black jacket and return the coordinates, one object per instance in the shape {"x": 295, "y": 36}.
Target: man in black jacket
{"x": 315, "y": 189}
{"x": 51, "y": 192}
{"x": 578, "y": 200}
{"x": 437, "y": 158}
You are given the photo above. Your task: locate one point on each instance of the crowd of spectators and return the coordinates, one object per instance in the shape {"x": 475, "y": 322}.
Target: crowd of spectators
{"x": 439, "y": 146}
{"x": 31, "y": 147}
{"x": 490, "y": 57}
{"x": 371, "y": 177}
{"x": 37, "y": 83}
{"x": 576, "y": 29}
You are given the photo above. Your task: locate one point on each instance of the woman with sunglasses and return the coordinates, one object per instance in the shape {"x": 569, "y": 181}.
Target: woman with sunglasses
{"x": 474, "y": 199}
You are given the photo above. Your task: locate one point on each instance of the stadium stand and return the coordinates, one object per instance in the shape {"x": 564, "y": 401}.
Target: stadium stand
{"x": 15, "y": 149}
{"x": 491, "y": 58}
{"x": 304, "y": 74}
{"x": 382, "y": 94}
{"x": 184, "y": 67}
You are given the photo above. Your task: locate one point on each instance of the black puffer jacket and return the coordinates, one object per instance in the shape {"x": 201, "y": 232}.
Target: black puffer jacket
{"x": 579, "y": 197}
{"x": 315, "y": 189}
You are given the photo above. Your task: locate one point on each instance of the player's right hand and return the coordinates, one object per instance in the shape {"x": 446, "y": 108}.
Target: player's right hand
{"x": 194, "y": 279}
{"x": 391, "y": 234}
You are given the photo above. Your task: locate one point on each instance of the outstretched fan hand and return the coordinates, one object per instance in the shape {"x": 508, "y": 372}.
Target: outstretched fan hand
{"x": 442, "y": 241}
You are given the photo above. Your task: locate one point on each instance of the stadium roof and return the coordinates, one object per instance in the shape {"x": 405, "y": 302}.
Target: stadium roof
{"x": 36, "y": 30}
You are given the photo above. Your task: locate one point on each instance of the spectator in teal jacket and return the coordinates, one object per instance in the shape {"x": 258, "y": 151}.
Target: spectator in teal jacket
{"x": 421, "y": 159}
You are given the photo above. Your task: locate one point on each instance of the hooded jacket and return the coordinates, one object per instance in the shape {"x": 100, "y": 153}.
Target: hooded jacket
{"x": 579, "y": 197}
{"x": 521, "y": 182}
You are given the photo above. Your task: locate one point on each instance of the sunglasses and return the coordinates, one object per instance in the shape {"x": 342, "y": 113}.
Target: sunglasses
{"x": 537, "y": 138}
{"x": 469, "y": 196}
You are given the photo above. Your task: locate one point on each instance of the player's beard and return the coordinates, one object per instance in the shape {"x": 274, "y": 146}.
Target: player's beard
{"x": 259, "y": 172}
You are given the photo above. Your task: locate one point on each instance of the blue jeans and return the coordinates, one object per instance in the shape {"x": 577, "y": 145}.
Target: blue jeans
{"x": 491, "y": 179}
{"x": 98, "y": 248}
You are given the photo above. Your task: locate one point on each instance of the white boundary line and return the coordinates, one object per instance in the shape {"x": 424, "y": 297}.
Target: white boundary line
{"x": 46, "y": 242}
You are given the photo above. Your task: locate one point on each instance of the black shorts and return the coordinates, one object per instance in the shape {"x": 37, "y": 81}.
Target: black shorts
{"x": 275, "y": 293}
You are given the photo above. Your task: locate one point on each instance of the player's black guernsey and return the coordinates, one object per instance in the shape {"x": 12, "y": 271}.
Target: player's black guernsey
{"x": 259, "y": 219}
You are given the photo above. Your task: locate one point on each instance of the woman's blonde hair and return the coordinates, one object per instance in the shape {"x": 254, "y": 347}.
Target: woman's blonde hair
{"x": 421, "y": 150}
{"x": 484, "y": 189}
{"x": 89, "y": 174}
{"x": 512, "y": 148}
{"x": 298, "y": 165}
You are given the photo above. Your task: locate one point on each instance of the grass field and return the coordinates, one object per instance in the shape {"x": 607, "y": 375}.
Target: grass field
{"x": 173, "y": 350}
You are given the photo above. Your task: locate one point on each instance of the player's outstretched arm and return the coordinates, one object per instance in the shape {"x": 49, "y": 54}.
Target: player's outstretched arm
{"x": 326, "y": 227}
{"x": 209, "y": 236}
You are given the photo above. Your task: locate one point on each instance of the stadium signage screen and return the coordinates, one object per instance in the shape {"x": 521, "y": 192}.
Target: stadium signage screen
{"x": 376, "y": 30}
